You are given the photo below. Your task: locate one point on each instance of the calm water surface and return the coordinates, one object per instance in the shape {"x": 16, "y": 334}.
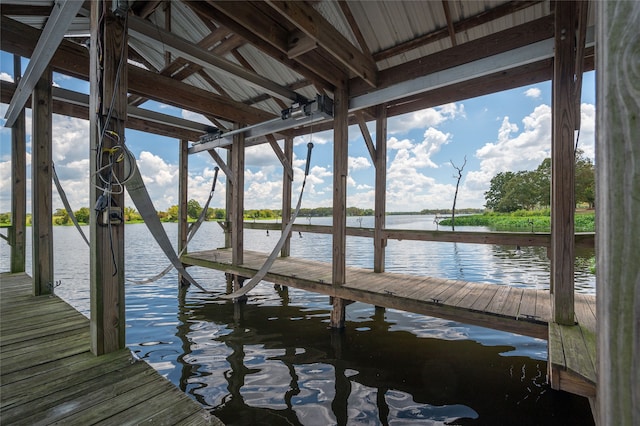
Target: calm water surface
{"x": 273, "y": 361}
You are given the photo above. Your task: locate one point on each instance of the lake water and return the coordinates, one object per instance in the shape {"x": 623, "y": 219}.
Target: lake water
{"x": 273, "y": 361}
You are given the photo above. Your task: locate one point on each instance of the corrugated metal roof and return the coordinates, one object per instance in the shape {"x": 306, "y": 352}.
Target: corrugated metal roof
{"x": 383, "y": 25}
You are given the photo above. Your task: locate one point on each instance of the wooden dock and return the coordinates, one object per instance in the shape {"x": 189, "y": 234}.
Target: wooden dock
{"x": 48, "y": 374}
{"x": 500, "y": 307}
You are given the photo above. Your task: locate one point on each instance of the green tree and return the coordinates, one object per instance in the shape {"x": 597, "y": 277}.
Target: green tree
{"x": 193, "y": 209}
{"x": 585, "y": 183}
{"x": 61, "y": 217}
{"x": 83, "y": 214}
{"x": 497, "y": 190}
{"x": 171, "y": 215}
{"x": 5, "y": 218}
{"x": 130, "y": 214}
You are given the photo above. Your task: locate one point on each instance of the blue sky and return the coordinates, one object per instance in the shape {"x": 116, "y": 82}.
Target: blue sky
{"x": 507, "y": 131}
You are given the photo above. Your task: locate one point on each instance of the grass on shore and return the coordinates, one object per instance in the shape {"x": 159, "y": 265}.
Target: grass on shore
{"x": 538, "y": 220}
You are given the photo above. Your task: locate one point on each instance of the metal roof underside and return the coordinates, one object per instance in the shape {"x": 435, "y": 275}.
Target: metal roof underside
{"x": 306, "y": 48}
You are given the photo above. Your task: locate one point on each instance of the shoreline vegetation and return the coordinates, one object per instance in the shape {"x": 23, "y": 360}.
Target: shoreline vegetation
{"x": 521, "y": 220}
{"x": 535, "y": 220}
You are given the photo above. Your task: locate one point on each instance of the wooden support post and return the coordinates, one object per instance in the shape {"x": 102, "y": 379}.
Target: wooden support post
{"x": 618, "y": 223}
{"x": 237, "y": 204}
{"x": 228, "y": 202}
{"x": 286, "y": 195}
{"x": 18, "y": 236}
{"x": 108, "y": 98}
{"x": 379, "y": 243}
{"x": 563, "y": 166}
{"x": 183, "y": 182}
{"x": 340, "y": 171}
{"x": 41, "y": 191}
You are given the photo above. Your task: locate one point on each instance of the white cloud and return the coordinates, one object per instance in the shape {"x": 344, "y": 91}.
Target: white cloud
{"x": 358, "y": 163}
{"x": 424, "y": 118}
{"x": 587, "y": 139}
{"x": 525, "y": 150}
{"x": 533, "y": 92}
{"x": 6, "y": 77}
{"x": 394, "y": 143}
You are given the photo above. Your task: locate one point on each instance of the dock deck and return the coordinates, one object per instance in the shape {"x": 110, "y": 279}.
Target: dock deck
{"x": 500, "y": 307}
{"x": 48, "y": 374}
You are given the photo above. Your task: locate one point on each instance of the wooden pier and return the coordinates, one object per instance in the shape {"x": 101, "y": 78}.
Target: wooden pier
{"x": 49, "y": 375}
{"x": 501, "y": 307}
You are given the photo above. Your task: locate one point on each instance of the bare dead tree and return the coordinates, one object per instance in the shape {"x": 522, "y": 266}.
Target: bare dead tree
{"x": 455, "y": 197}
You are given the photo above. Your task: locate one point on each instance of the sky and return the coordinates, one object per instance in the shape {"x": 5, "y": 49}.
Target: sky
{"x": 506, "y": 131}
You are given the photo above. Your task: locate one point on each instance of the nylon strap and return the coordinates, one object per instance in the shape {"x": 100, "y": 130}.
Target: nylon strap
{"x": 67, "y": 206}
{"x": 274, "y": 253}
{"x": 140, "y": 197}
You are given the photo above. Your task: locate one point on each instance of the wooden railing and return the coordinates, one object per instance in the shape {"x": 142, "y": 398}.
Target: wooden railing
{"x": 524, "y": 239}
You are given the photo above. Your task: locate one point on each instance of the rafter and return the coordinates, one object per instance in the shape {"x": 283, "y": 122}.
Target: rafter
{"x": 450, "y": 28}
{"x": 57, "y": 24}
{"x": 315, "y": 26}
{"x": 503, "y": 41}
{"x": 269, "y": 36}
{"x": 73, "y": 104}
{"x": 148, "y": 32}
{"x": 346, "y": 11}
{"x": 72, "y": 59}
{"x": 443, "y": 32}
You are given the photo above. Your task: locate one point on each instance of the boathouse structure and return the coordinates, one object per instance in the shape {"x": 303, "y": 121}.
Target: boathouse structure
{"x": 264, "y": 72}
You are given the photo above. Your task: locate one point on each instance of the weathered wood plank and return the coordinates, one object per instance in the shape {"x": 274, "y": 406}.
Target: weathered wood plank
{"x": 483, "y": 301}
{"x": 543, "y": 305}
{"x": 488, "y": 305}
{"x": 512, "y": 304}
{"x": 34, "y": 404}
{"x": 528, "y": 305}
{"x": 49, "y": 378}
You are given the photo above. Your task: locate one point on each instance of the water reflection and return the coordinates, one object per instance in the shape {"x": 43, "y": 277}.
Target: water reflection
{"x": 283, "y": 366}
{"x": 273, "y": 361}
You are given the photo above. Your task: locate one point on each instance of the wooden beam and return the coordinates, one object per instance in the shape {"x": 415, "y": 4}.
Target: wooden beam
{"x": 73, "y": 60}
{"x": 41, "y": 191}
{"x": 563, "y": 166}
{"x": 346, "y": 11}
{"x": 286, "y": 165}
{"x": 57, "y": 24}
{"x": 17, "y": 232}
{"x": 108, "y": 98}
{"x": 483, "y": 17}
{"x": 450, "y": 27}
{"x": 366, "y": 135}
{"x": 73, "y": 104}
{"x": 379, "y": 242}
{"x": 286, "y": 195}
{"x": 340, "y": 172}
{"x": 500, "y": 42}
{"x": 299, "y": 44}
{"x": 237, "y": 168}
{"x": 183, "y": 195}
{"x": 267, "y": 35}
{"x": 147, "y": 32}
{"x": 314, "y": 25}
{"x": 220, "y": 162}
{"x": 581, "y": 38}
{"x": 618, "y": 224}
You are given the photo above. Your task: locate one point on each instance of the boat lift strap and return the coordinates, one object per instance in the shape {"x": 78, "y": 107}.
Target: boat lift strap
{"x": 140, "y": 197}
{"x": 274, "y": 253}
{"x": 193, "y": 228}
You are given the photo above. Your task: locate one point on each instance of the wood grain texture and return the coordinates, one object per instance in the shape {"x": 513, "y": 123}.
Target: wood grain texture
{"x": 49, "y": 375}
{"x": 618, "y": 203}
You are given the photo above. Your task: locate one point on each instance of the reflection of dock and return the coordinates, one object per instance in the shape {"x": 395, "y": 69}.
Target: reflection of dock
{"x": 48, "y": 373}
{"x": 511, "y": 309}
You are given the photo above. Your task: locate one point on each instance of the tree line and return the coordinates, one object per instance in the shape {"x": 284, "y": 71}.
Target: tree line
{"x": 531, "y": 189}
